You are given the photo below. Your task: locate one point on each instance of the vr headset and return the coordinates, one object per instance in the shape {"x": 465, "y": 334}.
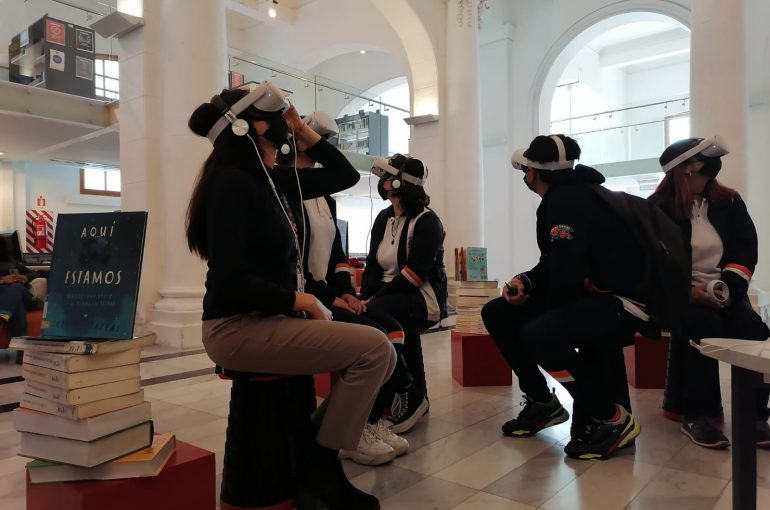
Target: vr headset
{"x": 323, "y": 124}
{"x": 713, "y": 147}
{"x": 265, "y": 97}
{"x": 519, "y": 160}
{"x": 381, "y": 168}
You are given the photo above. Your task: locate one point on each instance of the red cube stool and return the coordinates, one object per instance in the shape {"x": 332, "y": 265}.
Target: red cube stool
{"x": 646, "y": 362}
{"x": 187, "y": 482}
{"x": 34, "y": 321}
{"x": 324, "y": 383}
{"x": 476, "y": 361}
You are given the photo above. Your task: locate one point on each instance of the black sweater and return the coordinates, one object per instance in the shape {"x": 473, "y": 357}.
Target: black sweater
{"x": 422, "y": 270}
{"x": 732, "y": 222}
{"x": 252, "y": 255}
{"x": 584, "y": 246}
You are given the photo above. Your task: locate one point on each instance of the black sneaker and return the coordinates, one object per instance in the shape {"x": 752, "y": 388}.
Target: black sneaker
{"x": 406, "y": 410}
{"x": 535, "y": 417}
{"x": 763, "y": 434}
{"x": 704, "y": 432}
{"x": 599, "y": 439}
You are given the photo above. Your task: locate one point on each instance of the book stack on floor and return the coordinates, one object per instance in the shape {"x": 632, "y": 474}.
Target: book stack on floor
{"x": 471, "y": 298}
{"x": 82, "y": 406}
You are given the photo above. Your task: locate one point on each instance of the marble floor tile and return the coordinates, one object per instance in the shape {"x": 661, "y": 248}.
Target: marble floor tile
{"x": 386, "y": 481}
{"x": 725, "y": 501}
{"x": 671, "y": 489}
{"x": 485, "y": 501}
{"x": 703, "y": 461}
{"x": 429, "y": 493}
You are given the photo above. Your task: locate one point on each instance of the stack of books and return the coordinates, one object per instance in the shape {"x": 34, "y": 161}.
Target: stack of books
{"x": 471, "y": 298}
{"x": 82, "y": 403}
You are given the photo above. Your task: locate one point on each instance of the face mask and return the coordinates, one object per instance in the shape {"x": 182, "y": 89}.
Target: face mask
{"x": 381, "y": 189}
{"x": 527, "y": 183}
{"x": 711, "y": 167}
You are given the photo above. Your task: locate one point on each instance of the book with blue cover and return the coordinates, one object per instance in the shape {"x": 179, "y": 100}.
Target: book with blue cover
{"x": 93, "y": 285}
{"x": 476, "y": 264}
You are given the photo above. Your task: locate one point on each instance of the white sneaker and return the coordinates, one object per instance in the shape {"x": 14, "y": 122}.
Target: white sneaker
{"x": 382, "y": 429}
{"x": 371, "y": 450}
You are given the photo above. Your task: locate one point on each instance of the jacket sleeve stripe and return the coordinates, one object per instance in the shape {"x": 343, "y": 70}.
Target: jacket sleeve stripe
{"x": 396, "y": 337}
{"x": 411, "y": 276}
{"x": 740, "y": 270}
{"x": 339, "y": 268}
{"x": 562, "y": 376}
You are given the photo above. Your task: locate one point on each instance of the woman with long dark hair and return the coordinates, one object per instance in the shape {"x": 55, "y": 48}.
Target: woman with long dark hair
{"x": 256, "y": 315}
{"x": 716, "y": 225}
{"x": 405, "y": 276}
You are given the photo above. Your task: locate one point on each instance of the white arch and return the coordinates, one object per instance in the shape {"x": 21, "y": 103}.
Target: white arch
{"x": 423, "y": 68}
{"x": 580, "y": 33}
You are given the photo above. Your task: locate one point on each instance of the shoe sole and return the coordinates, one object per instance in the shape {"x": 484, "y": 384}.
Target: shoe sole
{"x": 556, "y": 420}
{"x": 367, "y": 460}
{"x": 721, "y": 445}
{"x": 406, "y": 426}
{"x": 626, "y": 439}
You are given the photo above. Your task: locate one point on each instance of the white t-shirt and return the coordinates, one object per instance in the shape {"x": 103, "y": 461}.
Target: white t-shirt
{"x": 323, "y": 230}
{"x": 387, "y": 252}
{"x": 707, "y": 248}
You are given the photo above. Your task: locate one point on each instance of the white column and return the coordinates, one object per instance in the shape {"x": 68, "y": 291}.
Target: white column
{"x": 718, "y": 82}
{"x": 461, "y": 117}
{"x": 6, "y": 195}
{"x": 171, "y": 65}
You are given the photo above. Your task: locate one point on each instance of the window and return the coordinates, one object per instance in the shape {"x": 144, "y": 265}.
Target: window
{"x": 100, "y": 181}
{"x": 107, "y": 77}
{"x": 677, "y": 128}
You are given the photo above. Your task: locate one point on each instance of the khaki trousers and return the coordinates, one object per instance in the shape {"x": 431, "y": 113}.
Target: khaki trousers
{"x": 279, "y": 344}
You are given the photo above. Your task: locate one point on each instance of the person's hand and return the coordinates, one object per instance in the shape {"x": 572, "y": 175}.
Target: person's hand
{"x": 310, "y": 304}
{"x": 514, "y": 293}
{"x": 354, "y": 303}
{"x": 365, "y": 303}
{"x": 699, "y": 296}
{"x": 293, "y": 119}
{"x": 340, "y": 303}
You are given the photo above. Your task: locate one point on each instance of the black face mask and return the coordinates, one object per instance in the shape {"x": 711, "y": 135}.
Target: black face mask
{"x": 278, "y": 134}
{"x": 526, "y": 183}
{"x": 381, "y": 188}
{"x": 711, "y": 166}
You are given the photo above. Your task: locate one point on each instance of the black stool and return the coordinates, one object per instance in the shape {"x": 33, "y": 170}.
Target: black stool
{"x": 269, "y": 421}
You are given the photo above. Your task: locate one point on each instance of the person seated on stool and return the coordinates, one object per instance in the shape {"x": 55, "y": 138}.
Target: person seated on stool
{"x": 256, "y": 315}
{"x": 405, "y": 276}
{"x": 716, "y": 225}
{"x": 579, "y": 297}
{"x": 19, "y": 286}
{"x": 328, "y": 278}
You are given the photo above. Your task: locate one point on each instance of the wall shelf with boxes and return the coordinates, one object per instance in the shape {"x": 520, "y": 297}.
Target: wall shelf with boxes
{"x": 55, "y": 55}
{"x": 365, "y": 133}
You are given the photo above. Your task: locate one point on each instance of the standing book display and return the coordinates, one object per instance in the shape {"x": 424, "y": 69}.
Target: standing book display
{"x": 82, "y": 403}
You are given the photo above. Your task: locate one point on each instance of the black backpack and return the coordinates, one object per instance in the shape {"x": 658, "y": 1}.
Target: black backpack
{"x": 666, "y": 283}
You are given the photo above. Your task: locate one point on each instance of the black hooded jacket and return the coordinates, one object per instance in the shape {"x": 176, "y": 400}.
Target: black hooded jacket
{"x": 584, "y": 246}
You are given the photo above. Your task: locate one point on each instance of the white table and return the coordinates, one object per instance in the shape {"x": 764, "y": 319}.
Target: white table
{"x": 750, "y": 361}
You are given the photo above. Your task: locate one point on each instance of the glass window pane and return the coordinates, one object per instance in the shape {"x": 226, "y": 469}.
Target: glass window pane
{"x": 111, "y": 68}
{"x": 111, "y": 84}
{"x": 99, "y": 81}
{"x": 113, "y": 180}
{"x": 100, "y": 92}
{"x": 99, "y": 67}
{"x": 111, "y": 95}
{"x": 93, "y": 178}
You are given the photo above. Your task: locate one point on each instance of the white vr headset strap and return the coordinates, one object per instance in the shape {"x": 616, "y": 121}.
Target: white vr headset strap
{"x": 229, "y": 116}
{"x": 713, "y": 147}
{"x": 380, "y": 166}
{"x": 562, "y": 164}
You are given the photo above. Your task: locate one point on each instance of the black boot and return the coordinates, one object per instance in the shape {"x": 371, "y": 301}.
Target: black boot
{"x": 322, "y": 484}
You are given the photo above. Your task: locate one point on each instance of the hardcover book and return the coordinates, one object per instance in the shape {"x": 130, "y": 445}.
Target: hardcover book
{"x": 25, "y": 420}
{"x": 147, "y": 462}
{"x": 94, "y": 279}
{"x": 476, "y": 264}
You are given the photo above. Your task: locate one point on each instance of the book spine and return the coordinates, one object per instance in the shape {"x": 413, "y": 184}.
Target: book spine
{"x": 47, "y": 406}
{"x": 47, "y": 360}
{"x": 45, "y": 376}
{"x": 56, "y": 347}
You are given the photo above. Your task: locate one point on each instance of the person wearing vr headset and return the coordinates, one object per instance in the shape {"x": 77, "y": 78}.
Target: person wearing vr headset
{"x": 718, "y": 230}
{"x": 328, "y": 277}
{"x": 256, "y": 315}
{"x": 573, "y": 312}
{"x": 405, "y": 276}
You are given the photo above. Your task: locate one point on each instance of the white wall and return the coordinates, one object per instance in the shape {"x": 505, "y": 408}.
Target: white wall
{"x": 59, "y": 185}
{"x": 357, "y": 211}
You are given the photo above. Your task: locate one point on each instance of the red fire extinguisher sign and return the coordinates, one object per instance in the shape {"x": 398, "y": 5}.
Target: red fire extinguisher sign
{"x": 41, "y": 201}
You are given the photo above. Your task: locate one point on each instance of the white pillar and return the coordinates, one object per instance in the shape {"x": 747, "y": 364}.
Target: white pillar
{"x": 171, "y": 65}
{"x": 461, "y": 117}
{"x": 718, "y": 82}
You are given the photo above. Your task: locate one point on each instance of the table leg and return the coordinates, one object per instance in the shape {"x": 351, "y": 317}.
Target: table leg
{"x": 744, "y": 408}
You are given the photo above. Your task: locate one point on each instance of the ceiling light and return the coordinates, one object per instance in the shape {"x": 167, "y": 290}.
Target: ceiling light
{"x": 271, "y": 12}
{"x": 1, "y": 153}
{"x": 362, "y": 52}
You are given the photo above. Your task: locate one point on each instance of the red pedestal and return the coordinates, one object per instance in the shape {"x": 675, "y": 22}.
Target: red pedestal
{"x": 646, "y": 362}
{"x": 477, "y": 362}
{"x": 34, "y": 320}
{"x": 186, "y": 483}
{"x": 324, "y": 383}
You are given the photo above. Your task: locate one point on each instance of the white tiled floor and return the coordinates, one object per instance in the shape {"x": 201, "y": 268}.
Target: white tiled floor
{"x": 458, "y": 459}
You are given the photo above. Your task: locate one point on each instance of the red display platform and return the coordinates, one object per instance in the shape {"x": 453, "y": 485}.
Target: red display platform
{"x": 646, "y": 362}
{"x": 34, "y": 320}
{"x": 324, "y": 383}
{"x": 186, "y": 483}
{"x": 477, "y": 362}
